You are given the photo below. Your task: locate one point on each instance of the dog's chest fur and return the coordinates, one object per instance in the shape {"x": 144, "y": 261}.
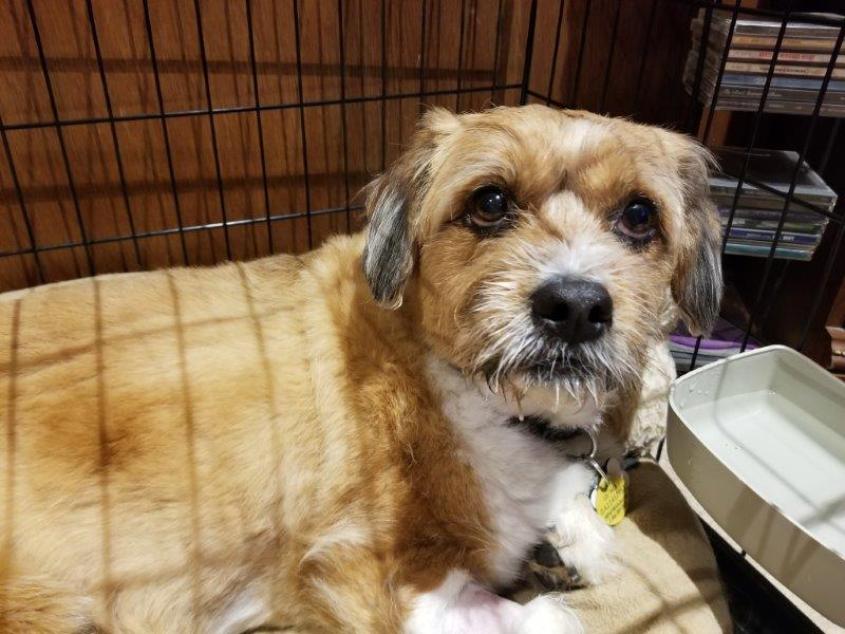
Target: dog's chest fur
{"x": 523, "y": 478}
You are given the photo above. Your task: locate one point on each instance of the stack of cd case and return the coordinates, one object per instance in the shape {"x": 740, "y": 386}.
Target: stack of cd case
{"x": 761, "y": 203}
{"x": 800, "y": 66}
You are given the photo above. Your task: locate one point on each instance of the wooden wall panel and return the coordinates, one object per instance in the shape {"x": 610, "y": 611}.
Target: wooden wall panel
{"x": 620, "y": 57}
{"x": 391, "y": 48}
{"x": 346, "y": 131}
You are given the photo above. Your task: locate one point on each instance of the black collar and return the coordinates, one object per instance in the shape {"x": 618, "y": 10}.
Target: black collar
{"x": 543, "y": 429}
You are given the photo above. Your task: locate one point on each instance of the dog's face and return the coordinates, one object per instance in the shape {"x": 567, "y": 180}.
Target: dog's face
{"x": 540, "y": 246}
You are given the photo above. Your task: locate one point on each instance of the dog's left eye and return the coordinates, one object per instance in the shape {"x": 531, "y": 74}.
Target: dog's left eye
{"x": 637, "y": 220}
{"x": 489, "y": 207}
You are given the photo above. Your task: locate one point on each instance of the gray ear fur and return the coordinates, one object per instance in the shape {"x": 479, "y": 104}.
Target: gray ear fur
{"x": 698, "y": 291}
{"x": 388, "y": 255}
{"x": 392, "y": 203}
{"x": 697, "y": 285}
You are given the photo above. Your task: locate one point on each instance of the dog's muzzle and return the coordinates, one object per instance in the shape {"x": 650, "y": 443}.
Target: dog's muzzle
{"x": 573, "y": 310}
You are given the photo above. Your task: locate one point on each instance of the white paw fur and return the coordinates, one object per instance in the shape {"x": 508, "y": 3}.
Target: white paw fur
{"x": 585, "y": 542}
{"x": 461, "y": 606}
{"x": 548, "y": 614}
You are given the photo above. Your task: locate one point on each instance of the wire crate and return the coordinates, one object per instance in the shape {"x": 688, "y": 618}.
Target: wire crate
{"x": 154, "y": 133}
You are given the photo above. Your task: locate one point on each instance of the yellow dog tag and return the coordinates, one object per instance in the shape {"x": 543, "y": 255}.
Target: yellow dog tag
{"x": 610, "y": 497}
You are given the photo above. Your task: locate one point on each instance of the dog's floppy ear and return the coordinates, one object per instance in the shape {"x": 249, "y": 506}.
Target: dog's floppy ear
{"x": 697, "y": 283}
{"x": 392, "y": 206}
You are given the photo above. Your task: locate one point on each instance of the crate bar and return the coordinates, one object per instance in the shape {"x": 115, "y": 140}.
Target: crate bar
{"x": 383, "y": 84}
{"x": 699, "y": 66}
{"x": 794, "y": 183}
{"x": 613, "y": 35}
{"x": 423, "y": 45}
{"x": 363, "y": 87}
{"x": 659, "y": 452}
{"x": 175, "y": 114}
{"x": 497, "y": 47}
{"x": 724, "y": 60}
{"x": 799, "y": 201}
{"x": 555, "y": 51}
{"x": 27, "y": 221}
{"x": 644, "y": 55}
{"x": 776, "y": 286}
{"x": 62, "y": 146}
{"x": 581, "y": 47}
{"x": 828, "y": 271}
{"x": 710, "y": 116}
{"x": 113, "y": 129}
{"x": 552, "y": 102}
{"x": 194, "y": 550}
{"x": 343, "y": 122}
{"x": 214, "y": 148}
{"x": 529, "y": 54}
{"x": 828, "y": 150}
{"x": 261, "y": 150}
{"x": 460, "y": 70}
{"x": 166, "y": 135}
{"x": 305, "y": 175}
{"x": 157, "y": 233}
{"x": 798, "y": 16}
{"x": 684, "y": 111}
{"x": 741, "y": 177}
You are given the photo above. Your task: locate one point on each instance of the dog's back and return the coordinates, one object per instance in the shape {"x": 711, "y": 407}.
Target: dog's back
{"x": 166, "y": 453}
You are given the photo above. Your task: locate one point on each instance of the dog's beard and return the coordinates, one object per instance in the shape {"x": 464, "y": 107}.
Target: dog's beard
{"x": 513, "y": 354}
{"x": 522, "y": 360}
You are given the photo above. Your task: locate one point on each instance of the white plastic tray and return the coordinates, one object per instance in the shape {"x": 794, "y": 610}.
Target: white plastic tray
{"x": 759, "y": 440}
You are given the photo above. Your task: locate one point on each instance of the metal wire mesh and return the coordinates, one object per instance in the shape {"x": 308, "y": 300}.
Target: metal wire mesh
{"x": 60, "y": 124}
{"x": 838, "y": 217}
{"x": 152, "y": 133}
{"x": 162, "y": 133}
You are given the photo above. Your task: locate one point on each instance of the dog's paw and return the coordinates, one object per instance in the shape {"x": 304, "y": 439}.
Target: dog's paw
{"x": 546, "y": 571}
{"x": 584, "y": 542}
{"x": 548, "y": 614}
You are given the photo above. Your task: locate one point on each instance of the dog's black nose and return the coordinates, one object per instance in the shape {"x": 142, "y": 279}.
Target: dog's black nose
{"x": 576, "y": 310}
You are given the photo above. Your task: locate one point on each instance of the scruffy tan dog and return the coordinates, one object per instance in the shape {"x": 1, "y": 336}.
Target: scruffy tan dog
{"x": 335, "y": 441}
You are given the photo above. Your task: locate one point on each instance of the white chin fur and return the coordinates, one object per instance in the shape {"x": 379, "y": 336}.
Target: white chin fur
{"x": 579, "y": 406}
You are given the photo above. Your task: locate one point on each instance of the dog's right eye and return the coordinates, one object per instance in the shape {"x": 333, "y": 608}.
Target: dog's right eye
{"x": 490, "y": 206}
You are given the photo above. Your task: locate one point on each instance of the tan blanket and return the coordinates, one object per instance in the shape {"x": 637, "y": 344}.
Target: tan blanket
{"x": 668, "y": 580}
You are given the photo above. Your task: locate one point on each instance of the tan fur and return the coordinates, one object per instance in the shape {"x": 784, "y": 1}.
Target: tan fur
{"x": 177, "y": 441}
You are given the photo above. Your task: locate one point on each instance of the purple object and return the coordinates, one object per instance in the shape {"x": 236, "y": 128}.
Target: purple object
{"x": 725, "y": 339}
